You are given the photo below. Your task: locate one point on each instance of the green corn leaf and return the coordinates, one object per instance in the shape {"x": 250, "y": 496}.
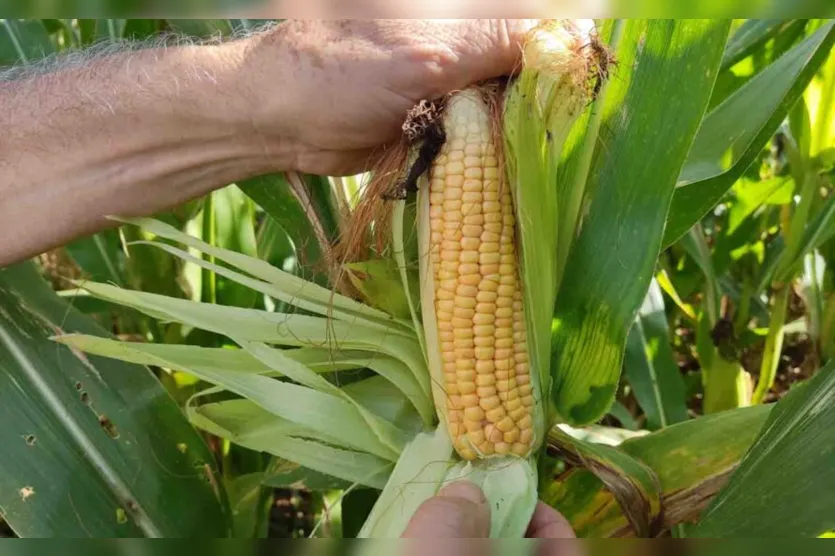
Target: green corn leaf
{"x": 382, "y": 398}
{"x": 744, "y": 122}
{"x": 649, "y": 365}
{"x": 234, "y": 214}
{"x": 613, "y": 259}
{"x": 202, "y": 27}
{"x": 633, "y": 484}
{"x": 22, "y": 41}
{"x": 275, "y": 196}
{"x": 246, "y": 423}
{"x": 398, "y": 374}
{"x": 750, "y": 36}
{"x": 531, "y": 170}
{"x": 407, "y": 280}
{"x": 797, "y": 441}
{"x": 100, "y": 257}
{"x": 380, "y": 284}
{"x": 814, "y": 234}
{"x": 182, "y": 357}
{"x": 619, "y": 412}
{"x": 287, "y": 474}
{"x": 692, "y": 461}
{"x": 133, "y": 465}
{"x": 250, "y": 503}
{"x": 272, "y": 290}
{"x": 751, "y": 195}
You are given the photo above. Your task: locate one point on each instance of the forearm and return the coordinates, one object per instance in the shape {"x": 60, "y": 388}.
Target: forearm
{"x": 129, "y": 134}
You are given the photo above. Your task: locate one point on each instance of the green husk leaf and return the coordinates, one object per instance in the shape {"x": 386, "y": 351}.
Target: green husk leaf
{"x": 320, "y": 360}
{"x": 273, "y": 328}
{"x": 315, "y": 410}
{"x": 418, "y": 475}
{"x": 225, "y": 420}
{"x": 541, "y": 107}
{"x": 392, "y": 437}
{"x": 380, "y": 285}
{"x": 293, "y": 290}
{"x": 509, "y": 484}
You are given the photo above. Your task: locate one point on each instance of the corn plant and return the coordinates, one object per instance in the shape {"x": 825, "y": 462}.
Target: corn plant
{"x": 480, "y": 330}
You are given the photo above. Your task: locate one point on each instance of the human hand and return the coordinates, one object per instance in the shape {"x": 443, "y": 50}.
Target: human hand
{"x": 346, "y": 85}
{"x": 460, "y": 511}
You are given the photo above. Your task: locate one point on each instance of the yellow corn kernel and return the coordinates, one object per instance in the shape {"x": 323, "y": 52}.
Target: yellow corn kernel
{"x": 473, "y": 258}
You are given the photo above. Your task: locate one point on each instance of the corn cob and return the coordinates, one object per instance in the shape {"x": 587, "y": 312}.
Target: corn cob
{"x": 488, "y": 395}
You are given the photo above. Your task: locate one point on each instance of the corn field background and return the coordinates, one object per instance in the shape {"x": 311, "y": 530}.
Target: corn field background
{"x": 693, "y": 336}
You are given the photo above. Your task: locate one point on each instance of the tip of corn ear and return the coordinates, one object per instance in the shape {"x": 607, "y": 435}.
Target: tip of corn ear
{"x": 561, "y": 47}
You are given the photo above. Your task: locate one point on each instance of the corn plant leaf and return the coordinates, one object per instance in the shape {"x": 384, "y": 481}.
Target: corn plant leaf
{"x": 383, "y": 398}
{"x": 613, "y": 259}
{"x": 751, "y": 195}
{"x": 234, "y": 214}
{"x": 246, "y": 423}
{"x": 23, "y": 40}
{"x": 287, "y": 474}
{"x": 692, "y": 461}
{"x": 779, "y": 263}
{"x": 93, "y": 30}
{"x": 100, "y": 257}
{"x": 743, "y": 123}
{"x": 633, "y": 484}
{"x": 750, "y": 36}
{"x": 649, "y": 365}
{"x": 133, "y": 465}
{"x": 797, "y": 441}
{"x": 250, "y": 503}
{"x": 624, "y": 416}
{"x": 814, "y": 235}
{"x": 278, "y": 328}
{"x": 291, "y": 205}
{"x": 405, "y": 254}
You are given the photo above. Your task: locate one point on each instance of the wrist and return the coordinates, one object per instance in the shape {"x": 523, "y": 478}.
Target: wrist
{"x": 258, "y": 100}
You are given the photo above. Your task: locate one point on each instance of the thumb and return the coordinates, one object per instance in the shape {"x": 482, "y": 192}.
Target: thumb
{"x": 459, "y": 511}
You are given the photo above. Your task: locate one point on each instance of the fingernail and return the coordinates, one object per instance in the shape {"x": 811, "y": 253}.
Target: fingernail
{"x": 464, "y": 489}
